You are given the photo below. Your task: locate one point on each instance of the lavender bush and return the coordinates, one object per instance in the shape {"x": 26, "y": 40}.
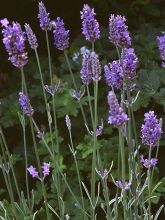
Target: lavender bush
{"x": 134, "y": 186}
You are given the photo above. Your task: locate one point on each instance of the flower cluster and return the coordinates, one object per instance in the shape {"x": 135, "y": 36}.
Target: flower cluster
{"x": 86, "y": 71}
{"x": 45, "y": 170}
{"x": 68, "y": 122}
{"x": 129, "y": 62}
{"x": 96, "y": 67}
{"x": 161, "y": 41}
{"x": 151, "y": 129}
{"x": 44, "y": 19}
{"x": 118, "y": 31}
{"x": 90, "y": 26}
{"x": 25, "y": 104}
{"x": 124, "y": 186}
{"x": 14, "y": 41}
{"x": 91, "y": 68}
{"x": 114, "y": 74}
{"x": 61, "y": 36}
{"x": 117, "y": 116}
{"x": 148, "y": 163}
{"x": 40, "y": 134}
{"x": 31, "y": 37}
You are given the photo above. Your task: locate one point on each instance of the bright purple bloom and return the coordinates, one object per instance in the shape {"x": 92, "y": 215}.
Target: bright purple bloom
{"x": 50, "y": 90}
{"x": 161, "y": 44}
{"x": 32, "y": 171}
{"x": 14, "y": 41}
{"x": 68, "y": 122}
{"x": 44, "y": 19}
{"x": 96, "y": 67}
{"x": 117, "y": 116}
{"x": 90, "y": 26}
{"x": 129, "y": 62}
{"x": 31, "y": 37}
{"x": 118, "y": 31}
{"x": 86, "y": 71}
{"x": 151, "y": 129}
{"x": 25, "y": 104}
{"x": 148, "y": 163}
{"x": 46, "y": 169}
{"x": 78, "y": 94}
{"x": 114, "y": 74}
{"x": 124, "y": 186}
{"x": 61, "y": 36}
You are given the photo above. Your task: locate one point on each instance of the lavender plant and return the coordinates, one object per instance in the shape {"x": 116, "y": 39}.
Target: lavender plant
{"x": 134, "y": 187}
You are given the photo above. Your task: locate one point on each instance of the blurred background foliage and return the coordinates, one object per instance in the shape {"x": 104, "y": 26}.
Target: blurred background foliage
{"x": 146, "y": 20}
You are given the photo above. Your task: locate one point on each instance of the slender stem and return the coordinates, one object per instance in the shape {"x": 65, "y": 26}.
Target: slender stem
{"x": 49, "y": 57}
{"x": 90, "y": 106}
{"x": 105, "y": 187}
{"x": 93, "y": 180}
{"x": 149, "y": 184}
{"x": 75, "y": 86}
{"x": 78, "y": 172}
{"x": 121, "y": 144}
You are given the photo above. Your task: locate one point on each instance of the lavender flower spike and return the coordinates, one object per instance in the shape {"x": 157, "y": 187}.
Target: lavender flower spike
{"x": 32, "y": 171}
{"x": 14, "y": 41}
{"x": 61, "y": 36}
{"x": 46, "y": 169}
{"x": 86, "y": 71}
{"x": 68, "y": 122}
{"x": 114, "y": 74}
{"x": 90, "y": 26}
{"x": 161, "y": 44}
{"x": 129, "y": 62}
{"x": 118, "y": 31}
{"x": 151, "y": 129}
{"x": 96, "y": 67}
{"x": 117, "y": 116}
{"x": 78, "y": 94}
{"x": 25, "y": 104}
{"x": 44, "y": 19}
{"x": 148, "y": 163}
{"x": 31, "y": 37}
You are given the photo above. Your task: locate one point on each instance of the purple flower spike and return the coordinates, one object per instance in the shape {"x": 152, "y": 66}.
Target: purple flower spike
{"x": 129, "y": 63}
{"x": 46, "y": 169}
{"x": 117, "y": 116}
{"x": 148, "y": 163}
{"x": 61, "y": 36}
{"x": 31, "y": 37}
{"x": 96, "y": 67}
{"x": 151, "y": 129}
{"x": 161, "y": 44}
{"x": 124, "y": 186}
{"x": 118, "y": 31}
{"x": 114, "y": 74}
{"x": 90, "y": 26}
{"x": 86, "y": 71}
{"x": 44, "y": 19}
{"x": 14, "y": 41}
{"x": 32, "y": 171}
{"x": 25, "y": 104}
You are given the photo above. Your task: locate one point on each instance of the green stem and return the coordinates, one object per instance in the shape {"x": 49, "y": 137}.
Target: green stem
{"x": 90, "y": 106}
{"x": 94, "y": 152}
{"x": 78, "y": 172}
{"x": 121, "y": 144}
{"x": 49, "y": 57}
{"x": 75, "y": 86}
{"x": 149, "y": 185}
